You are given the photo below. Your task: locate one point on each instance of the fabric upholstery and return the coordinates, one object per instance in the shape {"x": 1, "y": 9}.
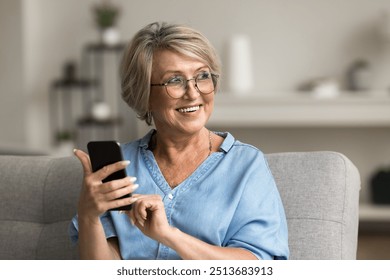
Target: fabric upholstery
{"x": 320, "y": 192}
{"x": 38, "y": 198}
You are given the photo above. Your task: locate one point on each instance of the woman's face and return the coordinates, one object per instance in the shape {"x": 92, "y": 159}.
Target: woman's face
{"x": 187, "y": 114}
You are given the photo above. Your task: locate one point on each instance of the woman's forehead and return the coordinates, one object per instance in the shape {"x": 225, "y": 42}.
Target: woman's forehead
{"x": 171, "y": 61}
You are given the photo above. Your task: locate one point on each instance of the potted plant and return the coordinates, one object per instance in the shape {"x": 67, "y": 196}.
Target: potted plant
{"x": 106, "y": 16}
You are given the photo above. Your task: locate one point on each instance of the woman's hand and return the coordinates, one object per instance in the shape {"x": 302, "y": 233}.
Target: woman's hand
{"x": 97, "y": 197}
{"x": 148, "y": 214}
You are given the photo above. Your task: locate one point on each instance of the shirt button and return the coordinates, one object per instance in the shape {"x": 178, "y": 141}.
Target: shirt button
{"x": 170, "y": 196}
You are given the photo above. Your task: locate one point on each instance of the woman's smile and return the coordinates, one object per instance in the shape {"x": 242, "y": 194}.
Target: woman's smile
{"x": 190, "y": 109}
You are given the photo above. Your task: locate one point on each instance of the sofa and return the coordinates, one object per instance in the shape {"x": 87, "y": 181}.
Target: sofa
{"x": 39, "y": 194}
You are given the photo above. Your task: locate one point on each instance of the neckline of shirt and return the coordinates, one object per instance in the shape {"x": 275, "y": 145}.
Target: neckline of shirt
{"x": 226, "y": 145}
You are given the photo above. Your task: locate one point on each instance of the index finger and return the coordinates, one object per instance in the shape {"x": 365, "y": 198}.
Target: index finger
{"x": 107, "y": 170}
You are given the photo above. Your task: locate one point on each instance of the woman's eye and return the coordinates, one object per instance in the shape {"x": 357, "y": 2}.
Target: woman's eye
{"x": 175, "y": 81}
{"x": 204, "y": 76}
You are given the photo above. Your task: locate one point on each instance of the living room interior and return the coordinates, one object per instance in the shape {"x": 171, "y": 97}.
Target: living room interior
{"x": 311, "y": 76}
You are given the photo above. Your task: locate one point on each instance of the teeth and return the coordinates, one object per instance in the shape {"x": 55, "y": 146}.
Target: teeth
{"x": 189, "y": 109}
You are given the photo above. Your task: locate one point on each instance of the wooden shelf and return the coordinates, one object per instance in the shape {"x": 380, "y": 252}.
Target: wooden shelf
{"x": 302, "y": 109}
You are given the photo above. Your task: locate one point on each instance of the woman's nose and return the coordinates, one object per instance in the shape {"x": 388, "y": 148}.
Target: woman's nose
{"x": 191, "y": 90}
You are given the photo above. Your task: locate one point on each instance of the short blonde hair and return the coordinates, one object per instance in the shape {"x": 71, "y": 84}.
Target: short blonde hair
{"x": 136, "y": 68}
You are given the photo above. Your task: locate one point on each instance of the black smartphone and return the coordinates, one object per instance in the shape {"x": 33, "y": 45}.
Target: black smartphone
{"x": 103, "y": 153}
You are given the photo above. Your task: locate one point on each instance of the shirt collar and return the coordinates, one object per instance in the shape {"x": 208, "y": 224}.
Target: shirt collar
{"x": 144, "y": 141}
{"x": 226, "y": 145}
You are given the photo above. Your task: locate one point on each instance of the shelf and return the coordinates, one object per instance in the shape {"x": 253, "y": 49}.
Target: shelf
{"x": 374, "y": 213}
{"x": 301, "y": 109}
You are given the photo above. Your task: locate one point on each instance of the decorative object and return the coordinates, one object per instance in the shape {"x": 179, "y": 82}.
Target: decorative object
{"x": 240, "y": 69}
{"x": 101, "y": 111}
{"x": 384, "y": 59}
{"x": 106, "y": 17}
{"x": 111, "y": 36}
{"x": 321, "y": 87}
{"x": 380, "y": 186}
{"x": 359, "y": 76}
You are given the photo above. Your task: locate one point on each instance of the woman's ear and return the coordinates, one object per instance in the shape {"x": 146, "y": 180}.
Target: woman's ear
{"x": 149, "y": 118}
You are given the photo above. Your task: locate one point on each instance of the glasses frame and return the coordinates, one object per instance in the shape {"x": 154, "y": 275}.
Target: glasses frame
{"x": 214, "y": 78}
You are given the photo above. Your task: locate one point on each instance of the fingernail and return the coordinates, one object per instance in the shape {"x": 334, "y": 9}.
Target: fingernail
{"x": 74, "y": 151}
{"x": 125, "y": 162}
{"x": 133, "y": 179}
{"x": 132, "y": 200}
{"x": 135, "y": 186}
{"x": 141, "y": 222}
{"x": 132, "y": 221}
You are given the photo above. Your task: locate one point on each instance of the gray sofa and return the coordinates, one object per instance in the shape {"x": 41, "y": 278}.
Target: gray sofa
{"x": 320, "y": 192}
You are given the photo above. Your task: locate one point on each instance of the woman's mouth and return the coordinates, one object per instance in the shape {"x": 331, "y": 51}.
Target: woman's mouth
{"x": 189, "y": 109}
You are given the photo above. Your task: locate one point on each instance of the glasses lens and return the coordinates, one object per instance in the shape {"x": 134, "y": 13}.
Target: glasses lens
{"x": 205, "y": 83}
{"x": 176, "y": 87}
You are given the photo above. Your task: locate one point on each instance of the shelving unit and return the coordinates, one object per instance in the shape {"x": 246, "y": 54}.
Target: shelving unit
{"x": 96, "y": 61}
{"x": 302, "y": 109}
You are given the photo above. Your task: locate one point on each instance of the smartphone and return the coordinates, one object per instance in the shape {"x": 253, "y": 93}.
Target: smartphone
{"x": 103, "y": 153}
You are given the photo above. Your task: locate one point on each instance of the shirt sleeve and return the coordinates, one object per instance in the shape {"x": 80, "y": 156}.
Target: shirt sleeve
{"x": 106, "y": 221}
{"x": 259, "y": 223}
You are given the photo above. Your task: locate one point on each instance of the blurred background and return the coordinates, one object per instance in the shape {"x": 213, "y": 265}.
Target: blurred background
{"x": 298, "y": 75}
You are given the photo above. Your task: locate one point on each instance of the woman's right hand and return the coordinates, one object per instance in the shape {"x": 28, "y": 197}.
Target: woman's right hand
{"x": 97, "y": 197}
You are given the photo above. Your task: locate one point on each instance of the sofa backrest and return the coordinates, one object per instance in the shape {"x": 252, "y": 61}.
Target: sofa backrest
{"x": 38, "y": 198}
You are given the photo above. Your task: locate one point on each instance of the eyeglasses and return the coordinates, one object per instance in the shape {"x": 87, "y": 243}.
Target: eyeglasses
{"x": 176, "y": 87}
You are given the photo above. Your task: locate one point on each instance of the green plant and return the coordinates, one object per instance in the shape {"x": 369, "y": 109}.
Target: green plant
{"x": 106, "y": 14}
{"x": 64, "y": 135}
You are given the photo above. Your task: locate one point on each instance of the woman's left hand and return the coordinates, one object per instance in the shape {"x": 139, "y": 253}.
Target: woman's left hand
{"x": 148, "y": 214}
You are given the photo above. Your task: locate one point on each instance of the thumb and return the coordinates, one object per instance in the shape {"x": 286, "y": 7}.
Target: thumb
{"x": 85, "y": 161}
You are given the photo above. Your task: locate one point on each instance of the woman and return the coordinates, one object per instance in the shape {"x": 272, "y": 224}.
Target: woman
{"x": 199, "y": 194}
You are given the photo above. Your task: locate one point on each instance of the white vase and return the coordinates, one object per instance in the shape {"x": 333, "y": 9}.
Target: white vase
{"x": 101, "y": 111}
{"x": 240, "y": 65}
{"x": 110, "y": 36}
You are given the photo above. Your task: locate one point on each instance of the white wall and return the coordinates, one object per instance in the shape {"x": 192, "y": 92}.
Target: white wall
{"x": 12, "y": 104}
{"x": 293, "y": 40}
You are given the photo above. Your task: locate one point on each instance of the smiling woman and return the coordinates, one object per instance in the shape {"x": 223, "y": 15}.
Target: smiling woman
{"x": 184, "y": 171}
{"x": 139, "y": 60}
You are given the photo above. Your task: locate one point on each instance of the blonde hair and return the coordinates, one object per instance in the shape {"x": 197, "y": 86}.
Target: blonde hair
{"x": 137, "y": 62}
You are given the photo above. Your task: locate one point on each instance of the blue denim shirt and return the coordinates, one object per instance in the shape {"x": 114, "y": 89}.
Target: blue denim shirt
{"x": 230, "y": 200}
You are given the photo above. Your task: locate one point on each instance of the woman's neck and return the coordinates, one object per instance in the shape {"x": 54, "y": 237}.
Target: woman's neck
{"x": 173, "y": 147}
